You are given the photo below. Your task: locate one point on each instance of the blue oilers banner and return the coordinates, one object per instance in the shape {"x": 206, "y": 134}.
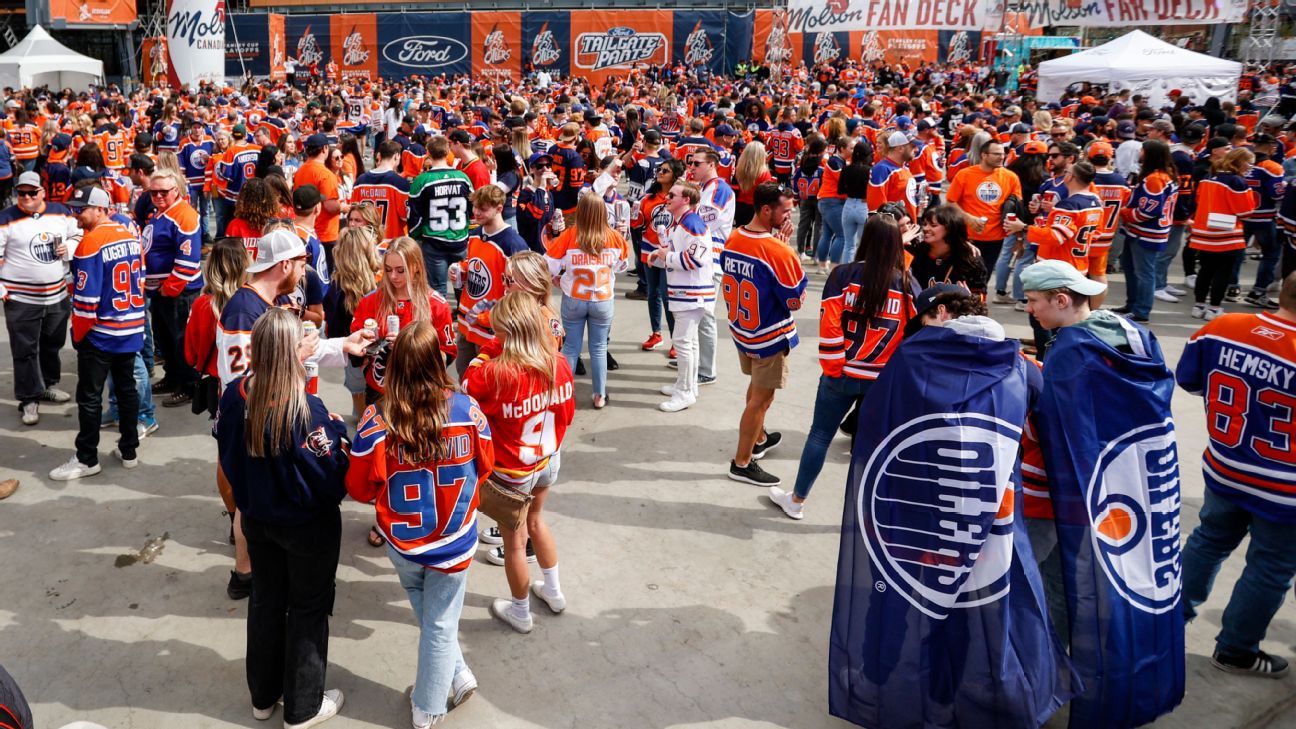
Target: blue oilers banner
{"x": 699, "y": 39}
{"x": 825, "y": 47}
{"x": 308, "y": 39}
{"x": 939, "y": 619}
{"x": 546, "y": 41}
{"x": 1114, "y": 474}
{"x": 958, "y": 46}
{"x": 423, "y": 44}
{"x": 740, "y": 33}
{"x": 247, "y": 45}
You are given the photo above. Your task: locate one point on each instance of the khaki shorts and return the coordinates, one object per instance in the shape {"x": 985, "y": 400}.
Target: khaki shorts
{"x": 770, "y": 373}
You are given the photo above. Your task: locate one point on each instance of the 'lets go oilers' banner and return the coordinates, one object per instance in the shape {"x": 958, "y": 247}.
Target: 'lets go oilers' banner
{"x": 195, "y": 33}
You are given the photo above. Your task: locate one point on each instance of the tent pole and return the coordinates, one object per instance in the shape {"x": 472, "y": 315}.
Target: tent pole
{"x": 132, "y": 67}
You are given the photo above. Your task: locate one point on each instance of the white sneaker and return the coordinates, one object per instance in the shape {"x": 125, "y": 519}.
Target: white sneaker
{"x": 74, "y": 469}
{"x": 503, "y": 610}
{"x": 265, "y": 714}
{"x": 1174, "y": 290}
{"x": 668, "y": 390}
{"x": 783, "y": 500}
{"x": 462, "y": 687}
{"x": 1191, "y": 281}
{"x": 421, "y": 719}
{"x": 1165, "y": 295}
{"x": 1004, "y": 299}
{"x": 490, "y": 536}
{"x": 146, "y": 429}
{"x": 1198, "y": 311}
{"x": 1213, "y": 312}
{"x": 126, "y": 462}
{"x": 1019, "y": 306}
{"x": 30, "y": 414}
{"x": 53, "y": 394}
{"x": 557, "y": 603}
{"x": 329, "y": 708}
{"x": 677, "y": 403}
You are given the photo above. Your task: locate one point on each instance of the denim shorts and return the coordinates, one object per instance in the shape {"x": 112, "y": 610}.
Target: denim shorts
{"x": 542, "y": 479}
{"x": 354, "y": 379}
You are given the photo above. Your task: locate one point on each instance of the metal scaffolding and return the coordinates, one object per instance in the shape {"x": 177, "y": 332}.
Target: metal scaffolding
{"x": 1261, "y": 43}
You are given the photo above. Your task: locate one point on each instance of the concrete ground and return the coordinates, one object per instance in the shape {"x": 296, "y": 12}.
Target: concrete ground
{"x": 692, "y": 602}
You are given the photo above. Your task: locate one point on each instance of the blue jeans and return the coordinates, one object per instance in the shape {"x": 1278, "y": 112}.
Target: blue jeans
{"x": 437, "y": 599}
{"x": 854, "y": 215}
{"x": 830, "y": 222}
{"x": 575, "y": 314}
{"x": 1139, "y": 264}
{"x": 437, "y": 264}
{"x": 224, "y": 214}
{"x": 1003, "y": 266}
{"x": 1267, "y": 236}
{"x": 1167, "y": 255}
{"x": 656, "y": 281}
{"x": 1259, "y": 592}
{"x": 147, "y": 410}
{"x": 836, "y": 396}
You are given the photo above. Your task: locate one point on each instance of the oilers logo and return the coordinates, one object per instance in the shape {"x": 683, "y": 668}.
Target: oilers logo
{"x": 308, "y": 49}
{"x": 697, "y": 47}
{"x": 989, "y": 192}
{"x": 935, "y": 510}
{"x": 1133, "y": 504}
{"x": 545, "y": 50}
{"x": 826, "y": 49}
{"x": 354, "y": 52}
{"x": 495, "y": 49}
{"x": 318, "y": 442}
{"x": 199, "y": 158}
{"x": 477, "y": 279}
{"x": 44, "y": 245}
{"x": 661, "y": 220}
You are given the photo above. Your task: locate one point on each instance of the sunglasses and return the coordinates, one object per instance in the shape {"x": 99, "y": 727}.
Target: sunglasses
{"x": 696, "y": 162}
{"x": 672, "y": 196}
{"x": 1056, "y": 154}
{"x": 159, "y": 193}
{"x": 27, "y": 193}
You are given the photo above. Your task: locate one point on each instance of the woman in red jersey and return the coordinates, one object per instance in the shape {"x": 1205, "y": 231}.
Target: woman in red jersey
{"x": 527, "y": 395}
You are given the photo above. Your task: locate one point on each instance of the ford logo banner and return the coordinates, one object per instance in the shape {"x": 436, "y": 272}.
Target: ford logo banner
{"x": 425, "y": 51}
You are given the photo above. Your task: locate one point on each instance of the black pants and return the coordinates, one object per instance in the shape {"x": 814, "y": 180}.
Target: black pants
{"x": 1189, "y": 260}
{"x": 807, "y": 233}
{"x": 293, "y": 568}
{"x": 37, "y": 333}
{"x": 93, "y": 367}
{"x": 989, "y": 252}
{"x": 1288, "y": 263}
{"x": 170, "y": 316}
{"x": 743, "y": 213}
{"x": 1214, "y": 275}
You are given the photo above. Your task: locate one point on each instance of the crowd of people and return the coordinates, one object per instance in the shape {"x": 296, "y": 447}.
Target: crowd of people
{"x": 215, "y": 247}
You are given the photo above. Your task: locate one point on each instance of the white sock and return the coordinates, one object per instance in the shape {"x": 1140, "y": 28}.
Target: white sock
{"x": 521, "y": 607}
{"x": 551, "y": 580}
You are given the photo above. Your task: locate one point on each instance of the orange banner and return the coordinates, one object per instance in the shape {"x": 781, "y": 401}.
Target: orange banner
{"x": 153, "y": 69}
{"x": 606, "y": 43}
{"x": 355, "y": 45}
{"x": 92, "y": 12}
{"x": 912, "y": 47}
{"x": 771, "y": 42}
{"x": 497, "y": 45}
{"x": 277, "y": 44}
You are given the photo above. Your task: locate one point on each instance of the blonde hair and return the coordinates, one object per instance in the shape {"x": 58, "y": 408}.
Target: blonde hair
{"x": 416, "y": 283}
{"x": 355, "y": 264}
{"x": 169, "y": 162}
{"x": 528, "y": 344}
{"x": 591, "y": 223}
{"x": 369, "y": 211}
{"x": 416, "y": 397}
{"x": 530, "y": 272}
{"x": 1237, "y": 162}
{"x": 751, "y": 163}
{"x": 276, "y": 389}
{"x": 1043, "y": 119}
{"x": 224, "y": 272}
{"x": 835, "y": 126}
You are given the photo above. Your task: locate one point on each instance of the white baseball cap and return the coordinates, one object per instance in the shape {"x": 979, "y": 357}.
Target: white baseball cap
{"x": 275, "y": 247}
{"x": 897, "y": 139}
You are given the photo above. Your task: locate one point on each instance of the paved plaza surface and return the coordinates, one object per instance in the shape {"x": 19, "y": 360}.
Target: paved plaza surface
{"x": 691, "y": 601}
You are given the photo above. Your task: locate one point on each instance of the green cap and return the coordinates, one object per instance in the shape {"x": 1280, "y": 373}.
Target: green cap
{"x": 1049, "y": 275}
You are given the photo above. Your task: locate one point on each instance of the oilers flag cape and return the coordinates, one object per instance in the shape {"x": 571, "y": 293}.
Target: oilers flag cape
{"x": 939, "y": 618}
{"x": 1113, "y": 470}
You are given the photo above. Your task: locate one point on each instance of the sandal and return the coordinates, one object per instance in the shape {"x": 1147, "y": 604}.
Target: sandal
{"x": 376, "y": 538}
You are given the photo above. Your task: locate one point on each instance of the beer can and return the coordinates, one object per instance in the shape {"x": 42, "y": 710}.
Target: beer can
{"x": 308, "y": 327}
{"x": 393, "y": 324}
{"x": 371, "y": 325}
{"x": 312, "y": 378}
{"x": 1035, "y": 199}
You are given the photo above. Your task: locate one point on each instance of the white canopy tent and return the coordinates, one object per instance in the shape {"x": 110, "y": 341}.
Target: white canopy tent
{"x": 1144, "y": 65}
{"x": 39, "y": 60}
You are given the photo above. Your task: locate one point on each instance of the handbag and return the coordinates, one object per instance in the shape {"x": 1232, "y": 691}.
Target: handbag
{"x": 505, "y": 504}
